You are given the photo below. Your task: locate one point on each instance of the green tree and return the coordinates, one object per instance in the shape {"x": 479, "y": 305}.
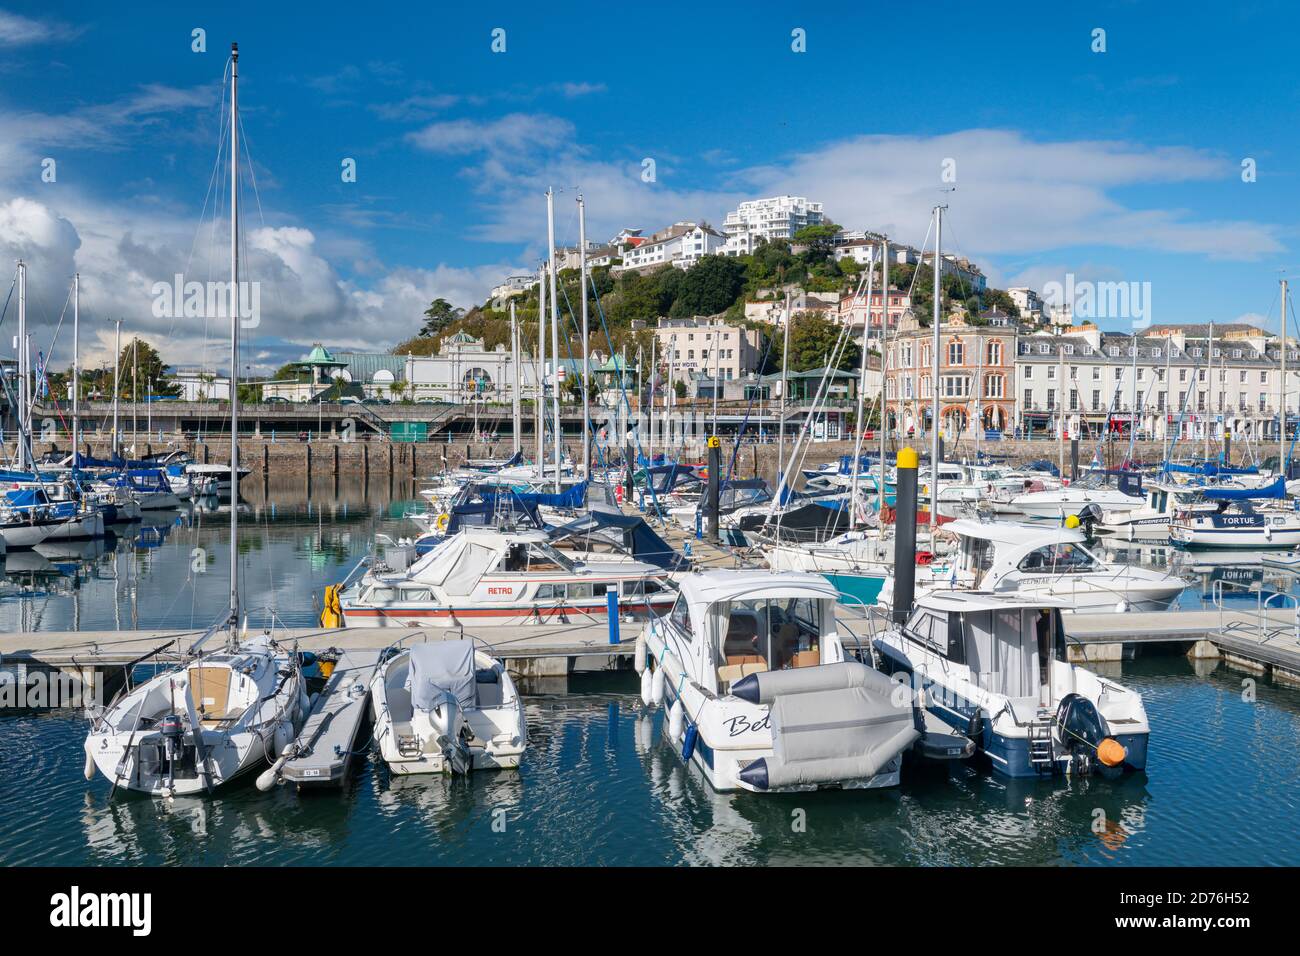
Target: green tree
{"x": 819, "y": 239}
{"x": 438, "y": 316}
{"x": 141, "y": 366}
{"x": 813, "y": 338}
{"x": 709, "y": 287}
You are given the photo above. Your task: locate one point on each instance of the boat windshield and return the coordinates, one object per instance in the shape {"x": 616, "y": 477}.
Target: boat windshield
{"x": 535, "y": 557}
{"x": 766, "y": 635}
{"x": 1059, "y": 558}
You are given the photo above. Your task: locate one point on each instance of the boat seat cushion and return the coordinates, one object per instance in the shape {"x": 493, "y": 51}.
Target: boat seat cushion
{"x": 729, "y": 673}
{"x": 742, "y": 634}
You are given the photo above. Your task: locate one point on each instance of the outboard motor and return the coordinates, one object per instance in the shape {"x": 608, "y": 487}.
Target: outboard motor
{"x": 1089, "y": 517}
{"x": 1085, "y": 736}
{"x": 449, "y": 722}
{"x": 173, "y": 735}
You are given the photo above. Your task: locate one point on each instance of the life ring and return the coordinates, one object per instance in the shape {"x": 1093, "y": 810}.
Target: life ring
{"x": 444, "y": 519}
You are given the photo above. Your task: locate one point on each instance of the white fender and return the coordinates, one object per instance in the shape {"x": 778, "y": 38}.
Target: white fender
{"x": 283, "y": 737}
{"x": 639, "y": 660}
{"x": 657, "y": 687}
{"x": 647, "y": 680}
{"x": 89, "y": 770}
{"x": 676, "y": 720}
{"x": 268, "y": 777}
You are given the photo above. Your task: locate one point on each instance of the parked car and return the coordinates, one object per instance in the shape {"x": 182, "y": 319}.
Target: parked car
{"x": 276, "y": 400}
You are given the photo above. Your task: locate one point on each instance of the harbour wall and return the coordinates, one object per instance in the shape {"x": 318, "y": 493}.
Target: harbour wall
{"x": 268, "y": 458}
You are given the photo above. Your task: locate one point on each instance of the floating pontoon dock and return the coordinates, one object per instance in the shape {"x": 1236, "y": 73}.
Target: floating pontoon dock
{"x": 1264, "y": 641}
{"x": 328, "y": 739}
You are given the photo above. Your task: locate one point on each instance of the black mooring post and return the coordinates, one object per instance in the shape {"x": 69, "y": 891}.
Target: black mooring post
{"x": 1074, "y": 459}
{"x": 630, "y": 460}
{"x": 1227, "y": 445}
{"x": 715, "y": 466}
{"x": 905, "y": 535}
{"x": 942, "y": 455}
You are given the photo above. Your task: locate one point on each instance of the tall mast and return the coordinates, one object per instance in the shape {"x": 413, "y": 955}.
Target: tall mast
{"x": 586, "y": 335}
{"x": 650, "y": 445}
{"x": 785, "y": 387}
{"x": 884, "y": 355}
{"x": 516, "y": 420}
{"x": 76, "y": 369}
{"x": 23, "y": 415}
{"x": 1209, "y": 392}
{"x": 234, "y": 340}
{"x": 1281, "y": 394}
{"x": 541, "y": 373}
{"x": 934, "y": 376}
{"x": 117, "y": 370}
{"x": 555, "y": 327}
{"x": 862, "y": 396}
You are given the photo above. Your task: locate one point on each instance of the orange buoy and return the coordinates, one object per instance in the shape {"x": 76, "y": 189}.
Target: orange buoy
{"x": 1111, "y": 752}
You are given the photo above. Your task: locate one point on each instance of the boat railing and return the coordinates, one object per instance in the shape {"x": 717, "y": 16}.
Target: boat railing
{"x": 1264, "y": 625}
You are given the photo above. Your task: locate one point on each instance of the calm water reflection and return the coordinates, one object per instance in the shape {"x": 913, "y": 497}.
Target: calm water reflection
{"x": 598, "y": 786}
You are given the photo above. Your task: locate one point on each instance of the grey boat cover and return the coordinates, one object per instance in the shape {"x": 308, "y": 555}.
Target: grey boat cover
{"x": 832, "y": 723}
{"x": 440, "y": 666}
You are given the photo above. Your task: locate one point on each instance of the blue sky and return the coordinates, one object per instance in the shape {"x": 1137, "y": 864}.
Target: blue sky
{"x": 1122, "y": 165}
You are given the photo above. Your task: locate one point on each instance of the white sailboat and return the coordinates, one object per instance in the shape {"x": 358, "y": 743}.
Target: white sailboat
{"x": 217, "y": 715}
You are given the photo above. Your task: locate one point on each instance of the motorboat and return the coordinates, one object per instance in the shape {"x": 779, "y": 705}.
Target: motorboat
{"x": 759, "y": 692}
{"x": 1236, "y": 524}
{"x": 213, "y": 478}
{"x": 1091, "y": 493}
{"x": 1151, "y": 519}
{"x": 1050, "y": 564}
{"x": 497, "y": 576}
{"x": 994, "y": 668}
{"x": 198, "y": 726}
{"x": 447, "y": 707}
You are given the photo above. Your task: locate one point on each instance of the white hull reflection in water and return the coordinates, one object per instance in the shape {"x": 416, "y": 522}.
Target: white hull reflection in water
{"x": 599, "y": 786}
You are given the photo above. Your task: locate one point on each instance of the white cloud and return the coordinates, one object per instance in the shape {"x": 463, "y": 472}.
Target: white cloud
{"x": 17, "y": 30}
{"x": 517, "y": 135}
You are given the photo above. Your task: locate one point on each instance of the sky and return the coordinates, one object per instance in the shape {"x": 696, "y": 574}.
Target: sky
{"x": 1119, "y": 165}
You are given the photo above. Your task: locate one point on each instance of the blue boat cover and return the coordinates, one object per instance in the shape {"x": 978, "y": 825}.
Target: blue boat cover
{"x": 1276, "y": 490}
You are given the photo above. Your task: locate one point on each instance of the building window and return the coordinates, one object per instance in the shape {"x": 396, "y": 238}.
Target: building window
{"x": 1051, "y": 399}
{"x": 1029, "y": 371}
{"x": 995, "y": 353}
{"x": 1096, "y": 373}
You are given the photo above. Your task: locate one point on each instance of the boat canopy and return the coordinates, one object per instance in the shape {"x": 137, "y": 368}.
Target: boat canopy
{"x": 85, "y": 461}
{"x": 664, "y": 479}
{"x": 1276, "y": 490}
{"x": 575, "y": 496}
{"x": 26, "y": 497}
{"x": 639, "y": 540}
{"x": 439, "y": 667}
{"x": 493, "y": 509}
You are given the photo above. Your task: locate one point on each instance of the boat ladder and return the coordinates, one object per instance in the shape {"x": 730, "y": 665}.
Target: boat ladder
{"x": 408, "y": 745}
{"x": 1042, "y": 750}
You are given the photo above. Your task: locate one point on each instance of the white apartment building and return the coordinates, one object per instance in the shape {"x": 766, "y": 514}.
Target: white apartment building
{"x": 511, "y": 287}
{"x": 682, "y": 244}
{"x": 762, "y": 220}
{"x": 705, "y": 345}
{"x": 1173, "y": 385}
{"x": 961, "y": 267}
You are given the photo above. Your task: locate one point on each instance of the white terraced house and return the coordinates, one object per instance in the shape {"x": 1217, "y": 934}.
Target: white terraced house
{"x": 682, "y": 245}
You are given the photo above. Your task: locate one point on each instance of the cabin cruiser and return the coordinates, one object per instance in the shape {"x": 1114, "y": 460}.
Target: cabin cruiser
{"x": 1151, "y": 520}
{"x": 447, "y": 707}
{"x": 741, "y": 501}
{"x": 1079, "y": 496}
{"x": 994, "y": 668}
{"x": 212, "y": 478}
{"x": 198, "y": 726}
{"x": 1051, "y": 564}
{"x": 759, "y": 692}
{"x": 496, "y": 576}
{"x": 1236, "y": 524}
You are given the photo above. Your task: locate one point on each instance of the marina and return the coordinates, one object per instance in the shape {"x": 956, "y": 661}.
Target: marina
{"x": 399, "y": 469}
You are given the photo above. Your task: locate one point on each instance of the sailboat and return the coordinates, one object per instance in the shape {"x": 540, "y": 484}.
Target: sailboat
{"x": 219, "y": 714}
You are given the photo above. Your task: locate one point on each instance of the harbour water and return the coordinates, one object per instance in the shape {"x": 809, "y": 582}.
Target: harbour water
{"x": 597, "y": 785}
